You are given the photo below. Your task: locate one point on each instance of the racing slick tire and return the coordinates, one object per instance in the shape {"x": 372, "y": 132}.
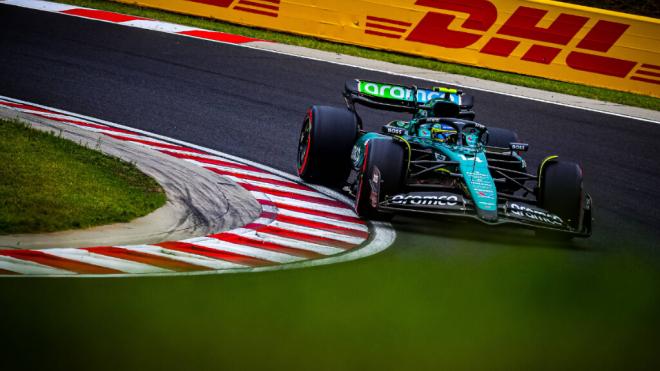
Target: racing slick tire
{"x": 384, "y": 164}
{"x": 560, "y": 192}
{"x": 326, "y": 141}
{"x": 499, "y": 137}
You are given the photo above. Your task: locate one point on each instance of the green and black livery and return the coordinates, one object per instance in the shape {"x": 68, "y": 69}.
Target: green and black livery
{"x": 439, "y": 162}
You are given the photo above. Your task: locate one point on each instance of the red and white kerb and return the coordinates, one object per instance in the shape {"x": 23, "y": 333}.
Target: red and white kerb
{"x": 297, "y": 223}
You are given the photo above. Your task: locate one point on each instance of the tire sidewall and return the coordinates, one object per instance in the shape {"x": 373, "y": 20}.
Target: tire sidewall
{"x": 561, "y": 191}
{"x": 331, "y": 135}
{"x": 388, "y": 157}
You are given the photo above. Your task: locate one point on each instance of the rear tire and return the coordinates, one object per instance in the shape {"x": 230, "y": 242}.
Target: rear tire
{"x": 561, "y": 193}
{"x": 326, "y": 140}
{"x": 388, "y": 157}
{"x": 499, "y": 137}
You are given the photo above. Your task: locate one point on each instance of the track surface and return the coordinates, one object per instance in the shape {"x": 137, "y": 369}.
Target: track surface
{"x": 250, "y": 103}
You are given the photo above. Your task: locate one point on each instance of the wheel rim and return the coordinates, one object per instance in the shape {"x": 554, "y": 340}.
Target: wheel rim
{"x": 303, "y": 145}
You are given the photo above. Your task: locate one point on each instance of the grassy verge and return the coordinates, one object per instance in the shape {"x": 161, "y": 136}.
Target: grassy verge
{"x": 49, "y": 184}
{"x": 505, "y": 77}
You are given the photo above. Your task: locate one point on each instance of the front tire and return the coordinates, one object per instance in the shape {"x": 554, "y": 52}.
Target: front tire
{"x": 385, "y": 158}
{"x": 560, "y": 191}
{"x": 326, "y": 140}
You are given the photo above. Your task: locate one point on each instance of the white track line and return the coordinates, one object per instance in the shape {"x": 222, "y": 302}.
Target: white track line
{"x": 462, "y": 86}
{"x": 51, "y": 115}
{"x": 166, "y": 27}
{"x": 41, "y": 5}
{"x": 175, "y": 29}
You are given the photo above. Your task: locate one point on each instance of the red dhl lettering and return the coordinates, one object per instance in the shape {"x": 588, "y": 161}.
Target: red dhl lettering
{"x": 268, "y": 8}
{"x": 433, "y": 29}
{"x": 523, "y": 23}
{"x": 220, "y": 3}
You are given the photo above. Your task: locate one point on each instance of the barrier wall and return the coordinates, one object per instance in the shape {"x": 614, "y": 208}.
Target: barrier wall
{"x": 533, "y": 37}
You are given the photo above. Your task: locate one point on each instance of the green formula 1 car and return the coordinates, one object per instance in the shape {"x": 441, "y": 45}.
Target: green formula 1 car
{"x": 439, "y": 162}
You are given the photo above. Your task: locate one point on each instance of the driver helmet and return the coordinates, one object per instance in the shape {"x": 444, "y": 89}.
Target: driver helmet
{"x": 442, "y": 133}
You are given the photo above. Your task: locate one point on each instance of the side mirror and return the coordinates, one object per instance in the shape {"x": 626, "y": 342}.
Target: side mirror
{"x": 521, "y": 147}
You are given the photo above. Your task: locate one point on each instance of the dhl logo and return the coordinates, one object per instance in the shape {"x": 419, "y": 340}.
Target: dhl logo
{"x": 588, "y": 55}
{"x": 268, "y": 8}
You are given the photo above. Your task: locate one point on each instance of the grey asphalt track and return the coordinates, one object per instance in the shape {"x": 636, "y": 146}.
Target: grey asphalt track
{"x": 250, "y": 103}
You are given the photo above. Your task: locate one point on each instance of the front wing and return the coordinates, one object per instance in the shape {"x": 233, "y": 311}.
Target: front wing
{"x": 509, "y": 211}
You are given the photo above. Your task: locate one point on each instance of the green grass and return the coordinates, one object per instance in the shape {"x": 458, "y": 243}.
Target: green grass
{"x": 510, "y": 309}
{"x": 309, "y": 42}
{"x": 49, "y": 184}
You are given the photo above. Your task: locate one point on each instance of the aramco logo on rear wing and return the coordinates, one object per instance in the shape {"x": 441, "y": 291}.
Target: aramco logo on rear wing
{"x": 268, "y": 8}
{"x": 434, "y": 29}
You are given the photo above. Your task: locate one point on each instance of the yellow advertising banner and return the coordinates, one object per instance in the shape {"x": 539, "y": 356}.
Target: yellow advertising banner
{"x": 532, "y": 37}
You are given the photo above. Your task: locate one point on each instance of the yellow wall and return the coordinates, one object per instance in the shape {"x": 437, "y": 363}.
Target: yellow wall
{"x": 534, "y": 37}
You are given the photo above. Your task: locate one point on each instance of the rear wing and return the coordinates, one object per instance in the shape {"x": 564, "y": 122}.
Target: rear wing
{"x": 401, "y": 98}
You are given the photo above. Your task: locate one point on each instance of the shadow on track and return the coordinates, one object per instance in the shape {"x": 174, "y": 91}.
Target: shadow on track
{"x": 460, "y": 232}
